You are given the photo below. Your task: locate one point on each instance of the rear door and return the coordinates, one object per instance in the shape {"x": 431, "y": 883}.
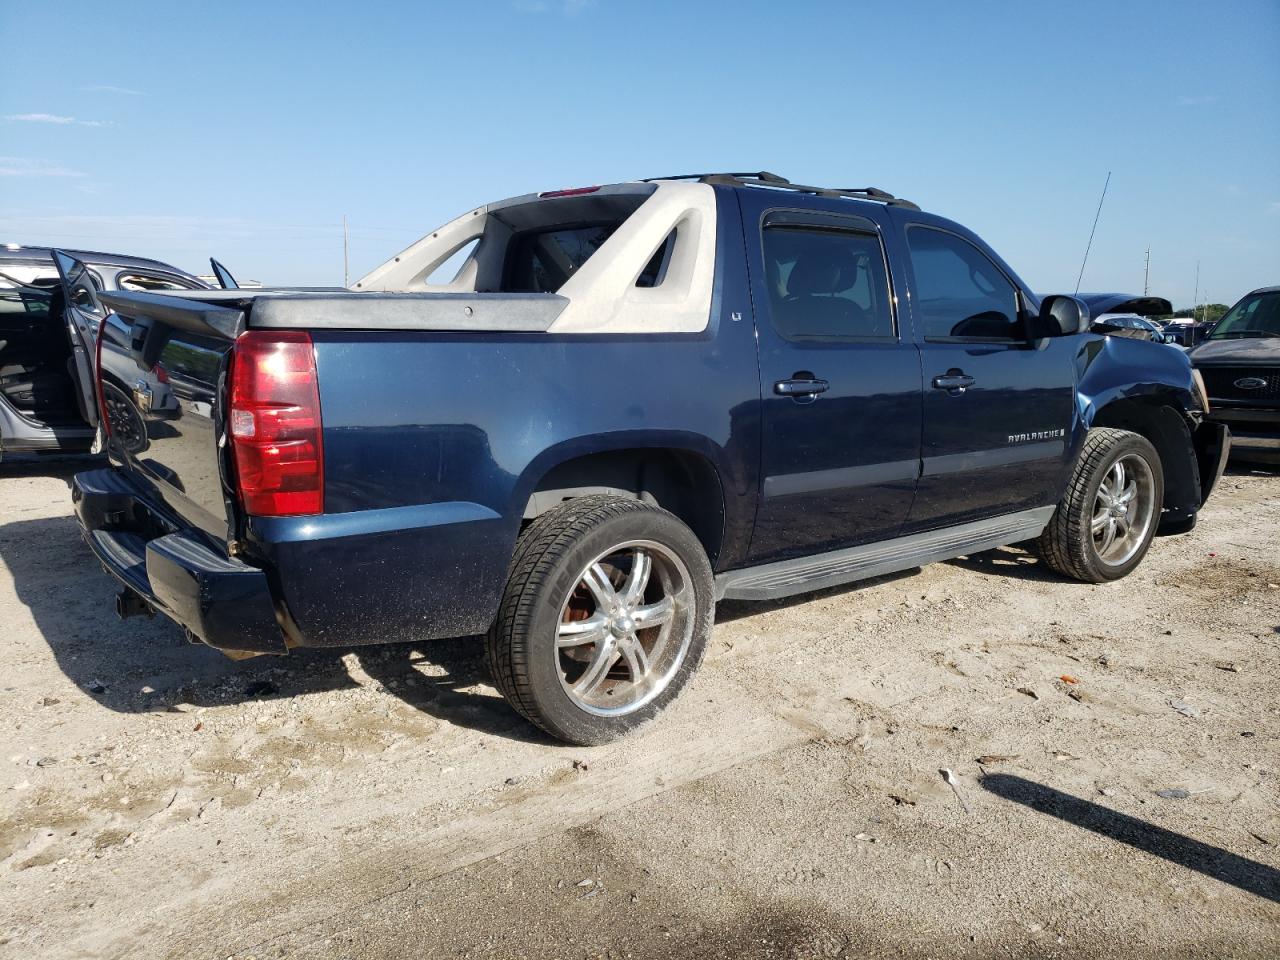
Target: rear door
{"x": 998, "y": 406}
{"x": 82, "y": 316}
{"x": 840, "y": 385}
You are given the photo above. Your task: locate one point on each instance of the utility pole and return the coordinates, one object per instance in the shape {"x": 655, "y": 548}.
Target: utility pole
{"x": 346, "y": 272}
{"x": 1146, "y": 275}
{"x": 1195, "y": 300}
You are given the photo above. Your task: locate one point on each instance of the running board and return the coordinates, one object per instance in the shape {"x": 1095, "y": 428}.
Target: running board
{"x": 787, "y": 577}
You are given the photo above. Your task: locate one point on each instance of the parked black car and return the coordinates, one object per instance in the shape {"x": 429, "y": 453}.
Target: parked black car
{"x": 1131, "y": 325}
{"x": 47, "y": 353}
{"x": 1125, "y": 315}
{"x": 1240, "y": 363}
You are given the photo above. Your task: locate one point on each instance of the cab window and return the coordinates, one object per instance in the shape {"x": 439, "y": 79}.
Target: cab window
{"x": 960, "y": 294}
{"x": 827, "y": 284}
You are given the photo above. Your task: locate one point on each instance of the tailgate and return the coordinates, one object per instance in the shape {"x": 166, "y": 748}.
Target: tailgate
{"x": 179, "y": 348}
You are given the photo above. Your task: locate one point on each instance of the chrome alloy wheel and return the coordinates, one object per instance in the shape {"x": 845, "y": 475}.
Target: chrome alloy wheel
{"x": 1123, "y": 510}
{"x": 625, "y": 628}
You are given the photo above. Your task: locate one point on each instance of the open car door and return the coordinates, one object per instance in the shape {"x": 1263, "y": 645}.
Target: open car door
{"x": 225, "y": 280}
{"x": 83, "y": 315}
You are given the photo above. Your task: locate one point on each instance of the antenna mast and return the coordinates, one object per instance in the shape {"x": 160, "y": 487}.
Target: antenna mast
{"x": 1146, "y": 275}
{"x": 1091, "y": 231}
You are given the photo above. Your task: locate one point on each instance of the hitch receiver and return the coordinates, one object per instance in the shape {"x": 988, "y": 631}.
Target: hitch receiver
{"x": 130, "y": 604}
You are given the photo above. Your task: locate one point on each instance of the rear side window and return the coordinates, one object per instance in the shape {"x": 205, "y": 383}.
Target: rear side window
{"x": 144, "y": 282}
{"x": 827, "y": 284}
{"x": 960, "y": 293}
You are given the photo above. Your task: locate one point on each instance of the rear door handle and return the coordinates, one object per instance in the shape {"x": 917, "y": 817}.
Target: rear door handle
{"x": 955, "y": 382}
{"x": 799, "y": 387}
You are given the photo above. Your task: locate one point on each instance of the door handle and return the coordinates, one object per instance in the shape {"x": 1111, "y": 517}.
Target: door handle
{"x": 955, "y": 382}
{"x": 800, "y": 387}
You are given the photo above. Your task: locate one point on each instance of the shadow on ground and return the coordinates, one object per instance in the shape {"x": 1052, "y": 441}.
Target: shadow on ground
{"x": 143, "y": 665}
{"x": 1248, "y": 875}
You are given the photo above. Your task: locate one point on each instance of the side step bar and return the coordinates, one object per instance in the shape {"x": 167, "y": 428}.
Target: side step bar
{"x": 786, "y": 577}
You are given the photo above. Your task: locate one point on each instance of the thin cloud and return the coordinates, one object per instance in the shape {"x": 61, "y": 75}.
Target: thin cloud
{"x": 1199, "y": 101}
{"x": 55, "y": 119}
{"x": 568, "y": 8}
{"x": 119, "y": 91}
{"x": 26, "y": 167}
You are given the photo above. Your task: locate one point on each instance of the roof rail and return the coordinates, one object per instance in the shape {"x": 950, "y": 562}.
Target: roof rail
{"x": 771, "y": 180}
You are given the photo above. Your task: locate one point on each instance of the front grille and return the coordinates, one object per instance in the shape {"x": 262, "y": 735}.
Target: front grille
{"x": 1221, "y": 383}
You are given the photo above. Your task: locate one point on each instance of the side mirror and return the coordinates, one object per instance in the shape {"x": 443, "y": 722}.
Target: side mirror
{"x": 1063, "y": 316}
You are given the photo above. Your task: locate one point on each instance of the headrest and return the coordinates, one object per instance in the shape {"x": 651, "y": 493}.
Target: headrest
{"x": 824, "y": 269}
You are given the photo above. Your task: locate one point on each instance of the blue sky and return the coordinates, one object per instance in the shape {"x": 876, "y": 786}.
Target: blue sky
{"x": 247, "y": 130}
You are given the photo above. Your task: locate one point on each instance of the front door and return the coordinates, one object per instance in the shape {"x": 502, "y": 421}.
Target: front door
{"x": 82, "y": 316}
{"x": 998, "y": 406}
{"x": 841, "y": 389}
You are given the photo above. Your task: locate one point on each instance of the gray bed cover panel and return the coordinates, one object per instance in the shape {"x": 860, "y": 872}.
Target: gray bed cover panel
{"x": 464, "y": 312}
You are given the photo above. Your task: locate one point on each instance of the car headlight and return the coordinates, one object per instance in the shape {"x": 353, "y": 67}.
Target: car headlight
{"x": 1201, "y": 392}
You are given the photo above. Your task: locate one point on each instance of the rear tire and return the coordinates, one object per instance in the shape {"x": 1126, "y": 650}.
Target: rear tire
{"x": 1109, "y": 514}
{"x": 128, "y": 427}
{"x": 605, "y": 617}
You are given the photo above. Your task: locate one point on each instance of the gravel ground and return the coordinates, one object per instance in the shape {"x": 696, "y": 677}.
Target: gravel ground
{"x": 1112, "y": 792}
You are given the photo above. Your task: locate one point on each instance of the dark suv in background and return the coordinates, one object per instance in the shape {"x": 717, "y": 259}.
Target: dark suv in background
{"x": 1240, "y": 364}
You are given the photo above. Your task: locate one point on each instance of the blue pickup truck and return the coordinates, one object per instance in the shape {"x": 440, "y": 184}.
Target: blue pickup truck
{"x": 573, "y": 421}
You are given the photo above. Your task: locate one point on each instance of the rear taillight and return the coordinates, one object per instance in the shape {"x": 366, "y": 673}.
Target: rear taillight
{"x": 274, "y": 423}
{"x": 160, "y": 373}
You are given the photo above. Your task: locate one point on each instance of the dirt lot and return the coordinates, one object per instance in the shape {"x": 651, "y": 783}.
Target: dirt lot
{"x": 158, "y": 800}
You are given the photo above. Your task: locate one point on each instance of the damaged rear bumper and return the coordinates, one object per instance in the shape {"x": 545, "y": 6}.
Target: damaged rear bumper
{"x": 218, "y": 600}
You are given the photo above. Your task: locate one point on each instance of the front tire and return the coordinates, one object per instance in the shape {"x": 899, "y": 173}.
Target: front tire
{"x": 605, "y": 617}
{"x": 1109, "y": 514}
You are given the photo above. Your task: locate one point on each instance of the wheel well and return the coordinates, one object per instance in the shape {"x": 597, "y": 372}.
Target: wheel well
{"x": 682, "y": 482}
{"x": 1167, "y": 431}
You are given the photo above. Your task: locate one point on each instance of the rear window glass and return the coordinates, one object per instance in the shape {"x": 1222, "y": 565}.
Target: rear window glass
{"x": 543, "y": 261}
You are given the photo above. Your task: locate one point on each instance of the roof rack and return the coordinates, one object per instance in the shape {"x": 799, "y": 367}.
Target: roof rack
{"x": 764, "y": 178}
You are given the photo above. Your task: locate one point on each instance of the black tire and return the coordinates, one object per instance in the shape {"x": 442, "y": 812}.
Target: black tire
{"x": 128, "y": 428}
{"x": 547, "y": 568}
{"x": 1068, "y": 544}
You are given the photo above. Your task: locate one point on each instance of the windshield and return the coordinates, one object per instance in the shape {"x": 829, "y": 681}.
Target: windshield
{"x": 1254, "y": 316}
